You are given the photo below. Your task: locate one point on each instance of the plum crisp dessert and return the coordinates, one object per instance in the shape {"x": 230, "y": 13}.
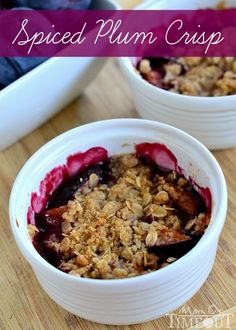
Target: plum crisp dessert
{"x": 123, "y": 216}
{"x": 195, "y": 76}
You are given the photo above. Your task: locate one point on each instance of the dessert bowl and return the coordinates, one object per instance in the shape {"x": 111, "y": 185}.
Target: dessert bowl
{"x": 212, "y": 120}
{"x": 35, "y": 97}
{"x": 129, "y": 300}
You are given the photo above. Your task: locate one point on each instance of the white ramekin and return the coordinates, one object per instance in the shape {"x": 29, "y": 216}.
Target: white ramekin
{"x": 145, "y": 297}
{"x": 212, "y": 120}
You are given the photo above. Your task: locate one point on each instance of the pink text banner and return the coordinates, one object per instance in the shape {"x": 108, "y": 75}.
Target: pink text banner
{"x": 118, "y": 33}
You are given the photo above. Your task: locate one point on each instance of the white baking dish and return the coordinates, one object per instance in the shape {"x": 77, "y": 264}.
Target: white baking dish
{"x": 39, "y": 94}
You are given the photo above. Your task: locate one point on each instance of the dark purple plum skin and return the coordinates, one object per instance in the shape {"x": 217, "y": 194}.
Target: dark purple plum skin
{"x": 177, "y": 250}
{"x": 66, "y": 191}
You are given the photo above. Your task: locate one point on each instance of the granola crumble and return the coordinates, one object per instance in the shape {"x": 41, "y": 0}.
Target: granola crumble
{"x": 114, "y": 229}
{"x": 195, "y": 76}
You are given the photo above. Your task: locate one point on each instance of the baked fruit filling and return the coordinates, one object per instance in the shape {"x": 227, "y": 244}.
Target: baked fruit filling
{"x": 195, "y": 76}
{"x": 122, "y": 217}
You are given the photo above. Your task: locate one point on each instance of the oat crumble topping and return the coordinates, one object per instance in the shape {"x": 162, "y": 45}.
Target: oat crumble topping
{"x": 195, "y": 76}
{"x": 114, "y": 229}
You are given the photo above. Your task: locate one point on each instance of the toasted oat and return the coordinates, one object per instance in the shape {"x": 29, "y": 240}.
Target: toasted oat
{"x": 93, "y": 180}
{"x": 161, "y": 197}
{"x": 157, "y": 211}
{"x": 145, "y": 67}
{"x": 32, "y": 230}
{"x": 151, "y": 238}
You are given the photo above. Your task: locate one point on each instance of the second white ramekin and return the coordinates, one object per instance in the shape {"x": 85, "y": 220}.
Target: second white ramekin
{"x": 212, "y": 120}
